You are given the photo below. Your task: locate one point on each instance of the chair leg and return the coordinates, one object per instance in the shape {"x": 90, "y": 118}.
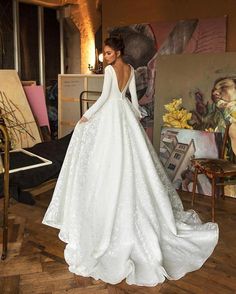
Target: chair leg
{"x": 213, "y": 192}
{"x": 5, "y": 243}
{"x": 194, "y": 186}
{"x": 5, "y": 225}
{"x": 223, "y": 189}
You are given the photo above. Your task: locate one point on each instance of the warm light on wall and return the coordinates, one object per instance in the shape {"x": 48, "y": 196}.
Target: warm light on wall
{"x": 87, "y": 51}
{"x": 87, "y": 18}
{"x": 91, "y": 51}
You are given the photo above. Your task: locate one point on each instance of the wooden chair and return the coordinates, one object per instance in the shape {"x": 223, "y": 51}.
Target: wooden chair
{"x": 219, "y": 171}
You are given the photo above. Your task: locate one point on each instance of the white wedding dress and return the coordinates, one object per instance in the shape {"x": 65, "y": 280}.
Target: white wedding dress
{"x": 114, "y": 204}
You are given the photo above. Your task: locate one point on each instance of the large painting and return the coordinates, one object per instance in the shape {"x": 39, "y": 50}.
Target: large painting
{"x": 205, "y": 82}
{"x": 146, "y": 42}
{"x": 178, "y": 147}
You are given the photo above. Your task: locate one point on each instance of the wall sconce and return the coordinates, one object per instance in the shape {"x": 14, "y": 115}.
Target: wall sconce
{"x": 98, "y": 69}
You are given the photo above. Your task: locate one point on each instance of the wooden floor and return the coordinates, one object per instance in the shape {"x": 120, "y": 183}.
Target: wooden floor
{"x": 35, "y": 262}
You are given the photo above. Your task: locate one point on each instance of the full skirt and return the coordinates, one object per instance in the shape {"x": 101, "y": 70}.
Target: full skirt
{"x": 117, "y": 210}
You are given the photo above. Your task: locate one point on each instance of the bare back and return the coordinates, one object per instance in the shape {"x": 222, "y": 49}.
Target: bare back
{"x": 123, "y": 73}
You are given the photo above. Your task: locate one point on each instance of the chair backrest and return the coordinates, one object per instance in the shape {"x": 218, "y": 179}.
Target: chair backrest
{"x": 232, "y": 135}
{"x": 227, "y": 141}
{"x": 87, "y": 100}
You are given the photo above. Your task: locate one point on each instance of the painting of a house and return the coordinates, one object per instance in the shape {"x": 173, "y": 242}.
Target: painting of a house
{"x": 179, "y": 154}
{"x": 178, "y": 147}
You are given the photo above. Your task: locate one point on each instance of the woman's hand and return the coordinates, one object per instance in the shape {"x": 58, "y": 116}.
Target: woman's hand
{"x": 83, "y": 119}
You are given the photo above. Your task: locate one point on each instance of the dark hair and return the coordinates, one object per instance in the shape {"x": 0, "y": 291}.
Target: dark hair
{"x": 116, "y": 43}
{"x": 233, "y": 78}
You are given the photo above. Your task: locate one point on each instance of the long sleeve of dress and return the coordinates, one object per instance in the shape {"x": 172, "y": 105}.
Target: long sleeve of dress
{"x": 133, "y": 93}
{"x": 104, "y": 96}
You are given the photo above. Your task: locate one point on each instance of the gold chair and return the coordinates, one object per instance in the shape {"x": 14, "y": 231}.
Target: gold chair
{"x": 219, "y": 171}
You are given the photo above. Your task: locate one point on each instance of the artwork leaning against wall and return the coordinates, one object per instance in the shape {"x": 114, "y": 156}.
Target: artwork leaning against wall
{"x": 145, "y": 43}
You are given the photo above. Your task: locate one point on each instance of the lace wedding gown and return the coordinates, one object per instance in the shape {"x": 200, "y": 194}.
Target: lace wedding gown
{"x": 114, "y": 205}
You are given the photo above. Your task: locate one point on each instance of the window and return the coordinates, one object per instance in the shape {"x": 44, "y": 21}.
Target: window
{"x": 171, "y": 166}
{"x": 177, "y": 156}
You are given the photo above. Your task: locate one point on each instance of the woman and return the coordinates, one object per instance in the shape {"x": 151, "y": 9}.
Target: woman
{"x": 113, "y": 203}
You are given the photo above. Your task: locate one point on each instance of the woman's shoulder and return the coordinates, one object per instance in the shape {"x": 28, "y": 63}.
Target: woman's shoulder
{"x": 108, "y": 68}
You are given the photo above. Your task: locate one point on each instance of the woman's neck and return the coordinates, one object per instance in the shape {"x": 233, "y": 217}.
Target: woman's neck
{"x": 118, "y": 63}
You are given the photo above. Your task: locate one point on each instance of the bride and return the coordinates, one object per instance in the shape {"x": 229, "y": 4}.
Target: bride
{"x": 114, "y": 204}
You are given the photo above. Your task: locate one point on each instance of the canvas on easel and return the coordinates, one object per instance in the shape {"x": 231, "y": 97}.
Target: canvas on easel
{"x": 16, "y": 112}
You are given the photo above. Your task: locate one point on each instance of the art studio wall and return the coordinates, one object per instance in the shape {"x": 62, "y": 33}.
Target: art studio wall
{"x": 145, "y": 43}
{"x": 126, "y": 12}
{"x": 192, "y": 76}
{"x": 129, "y": 12}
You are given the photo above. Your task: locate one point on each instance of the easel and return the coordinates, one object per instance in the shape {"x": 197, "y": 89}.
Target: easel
{"x": 5, "y": 144}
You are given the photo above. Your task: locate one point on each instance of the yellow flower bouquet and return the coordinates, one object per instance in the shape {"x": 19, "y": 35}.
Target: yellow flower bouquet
{"x": 177, "y": 116}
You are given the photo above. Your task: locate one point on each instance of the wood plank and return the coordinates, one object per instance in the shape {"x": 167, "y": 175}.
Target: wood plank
{"x": 36, "y": 264}
{"x": 20, "y": 265}
{"x": 9, "y": 285}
